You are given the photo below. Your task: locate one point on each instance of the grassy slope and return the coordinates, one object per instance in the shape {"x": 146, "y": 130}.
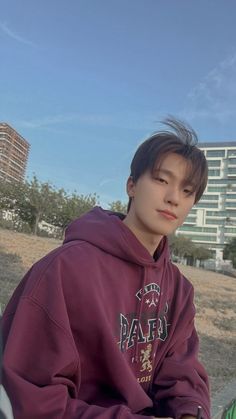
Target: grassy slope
{"x": 215, "y": 297}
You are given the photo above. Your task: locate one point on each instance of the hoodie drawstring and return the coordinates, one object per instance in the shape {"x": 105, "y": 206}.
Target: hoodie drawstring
{"x": 135, "y": 358}
{"x": 161, "y": 298}
{"x": 140, "y": 309}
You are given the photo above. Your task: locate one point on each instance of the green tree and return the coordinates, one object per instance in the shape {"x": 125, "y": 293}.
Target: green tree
{"x": 68, "y": 207}
{"x": 34, "y": 202}
{"x": 29, "y": 201}
{"x": 202, "y": 253}
{"x": 8, "y": 192}
{"x": 230, "y": 251}
{"x": 199, "y": 253}
{"x": 181, "y": 246}
{"x": 10, "y": 195}
{"x": 118, "y": 206}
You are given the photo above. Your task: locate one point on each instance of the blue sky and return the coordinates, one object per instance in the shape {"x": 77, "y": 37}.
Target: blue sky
{"x": 85, "y": 81}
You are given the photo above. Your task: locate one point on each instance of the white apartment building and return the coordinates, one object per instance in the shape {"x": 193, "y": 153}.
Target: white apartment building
{"x": 212, "y": 222}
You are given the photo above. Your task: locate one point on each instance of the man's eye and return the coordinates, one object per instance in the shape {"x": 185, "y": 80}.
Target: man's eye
{"x": 188, "y": 191}
{"x": 161, "y": 180}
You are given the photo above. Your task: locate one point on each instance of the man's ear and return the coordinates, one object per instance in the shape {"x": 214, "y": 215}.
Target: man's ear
{"x": 130, "y": 187}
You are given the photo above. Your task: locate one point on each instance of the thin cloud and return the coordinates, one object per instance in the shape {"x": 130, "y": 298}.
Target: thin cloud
{"x": 107, "y": 181}
{"x": 214, "y": 96}
{"x": 9, "y": 32}
{"x": 103, "y": 120}
{"x": 45, "y": 122}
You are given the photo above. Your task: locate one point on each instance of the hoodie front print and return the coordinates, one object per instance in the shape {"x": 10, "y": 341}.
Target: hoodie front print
{"x": 99, "y": 329}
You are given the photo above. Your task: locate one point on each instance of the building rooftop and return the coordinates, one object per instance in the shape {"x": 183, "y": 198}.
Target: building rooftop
{"x": 218, "y": 144}
{"x": 11, "y": 129}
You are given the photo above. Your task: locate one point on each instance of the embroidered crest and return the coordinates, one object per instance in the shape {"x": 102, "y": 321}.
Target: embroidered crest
{"x": 145, "y": 358}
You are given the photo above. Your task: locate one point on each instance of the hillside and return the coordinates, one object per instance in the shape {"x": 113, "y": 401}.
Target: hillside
{"x": 215, "y": 297}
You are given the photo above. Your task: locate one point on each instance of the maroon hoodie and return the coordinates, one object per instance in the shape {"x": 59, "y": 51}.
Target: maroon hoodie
{"x": 98, "y": 329}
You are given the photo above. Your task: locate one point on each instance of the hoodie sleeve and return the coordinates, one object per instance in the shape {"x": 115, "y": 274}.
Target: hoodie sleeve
{"x": 41, "y": 369}
{"x": 181, "y": 382}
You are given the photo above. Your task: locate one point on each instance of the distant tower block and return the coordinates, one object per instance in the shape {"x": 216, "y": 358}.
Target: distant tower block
{"x": 14, "y": 150}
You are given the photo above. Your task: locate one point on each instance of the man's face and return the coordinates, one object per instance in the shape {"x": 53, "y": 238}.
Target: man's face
{"x": 161, "y": 202}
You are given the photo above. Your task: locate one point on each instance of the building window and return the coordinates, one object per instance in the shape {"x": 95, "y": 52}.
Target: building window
{"x": 231, "y": 170}
{"x": 213, "y": 163}
{"x": 214, "y": 172}
{"x": 200, "y": 229}
{"x": 231, "y": 213}
{"x": 219, "y": 181}
{"x": 217, "y": 213}
{"x": 215, "y": 153}
{"x": 207, "y": 205}
{"x": 232, "y": 161}
{"x": 209, "y": 198}
{"x": 214, "y": 221}
{"x": 190, "y": 220}
{"x": 202, "y": 238}
{"x": 231, "y": 196}
{"x": 230, "y": 204}
{"x": 231, "y": 153}
{"x": 221, "y": 189}
{"x": 230, "y": 230}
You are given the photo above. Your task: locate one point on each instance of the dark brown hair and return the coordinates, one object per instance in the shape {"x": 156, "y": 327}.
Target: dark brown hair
{"x": 180, "y": 139}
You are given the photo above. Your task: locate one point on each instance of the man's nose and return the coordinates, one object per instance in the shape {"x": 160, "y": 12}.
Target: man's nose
{"x": 173, "y": 195}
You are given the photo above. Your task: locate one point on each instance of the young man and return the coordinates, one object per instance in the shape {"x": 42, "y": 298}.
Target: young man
{"x": 103, "y": 327}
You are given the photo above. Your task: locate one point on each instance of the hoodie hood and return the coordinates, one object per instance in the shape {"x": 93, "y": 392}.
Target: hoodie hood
{"x": 105, "y": 230}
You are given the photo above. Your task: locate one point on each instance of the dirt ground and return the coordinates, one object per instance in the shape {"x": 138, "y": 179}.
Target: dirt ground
{"x": 215, "y": 300}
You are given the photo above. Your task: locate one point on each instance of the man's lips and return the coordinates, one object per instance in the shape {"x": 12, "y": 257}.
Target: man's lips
{"x": 168, "y": 214}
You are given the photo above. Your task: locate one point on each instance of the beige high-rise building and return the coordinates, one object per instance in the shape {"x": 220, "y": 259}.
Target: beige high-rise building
{"x": 14, "y": 150}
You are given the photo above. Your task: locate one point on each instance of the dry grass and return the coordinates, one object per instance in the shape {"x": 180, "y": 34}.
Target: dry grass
{"x": 215, "y": 298}
{"x": 29, "y": 248}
